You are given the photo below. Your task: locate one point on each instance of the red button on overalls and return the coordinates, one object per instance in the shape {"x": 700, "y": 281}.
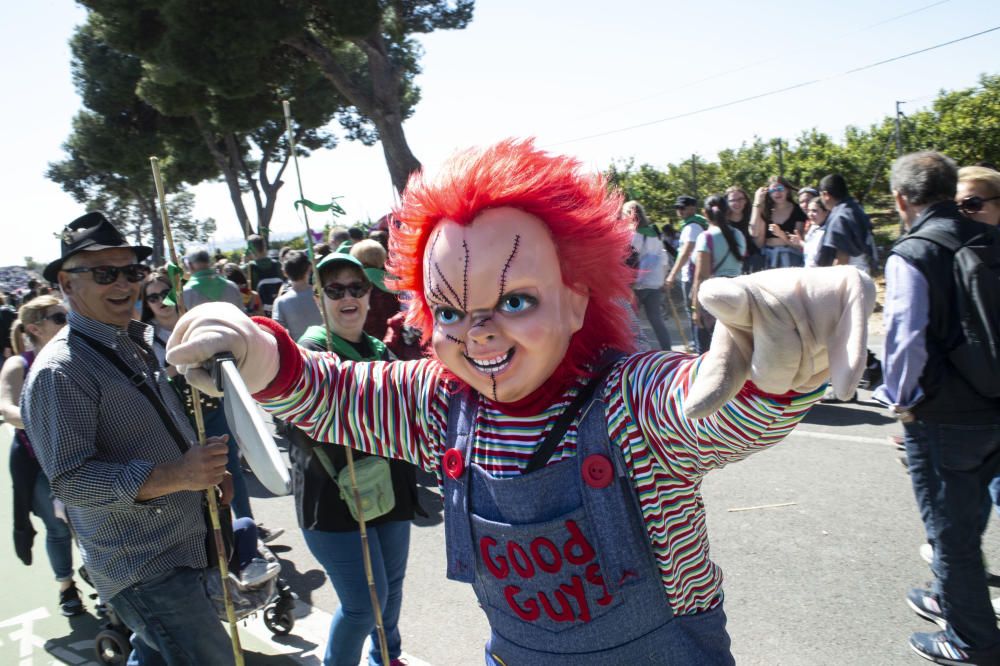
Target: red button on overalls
{"x": 597, "y": 471}
{"x": 453, "y": 463}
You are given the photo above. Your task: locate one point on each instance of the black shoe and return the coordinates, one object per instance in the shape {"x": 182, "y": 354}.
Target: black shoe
{"x": 69, "y": 601}
{"x": 268, "y": 535}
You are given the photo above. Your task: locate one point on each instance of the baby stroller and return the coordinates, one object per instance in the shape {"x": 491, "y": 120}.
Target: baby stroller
{"x": 272, "y": 595}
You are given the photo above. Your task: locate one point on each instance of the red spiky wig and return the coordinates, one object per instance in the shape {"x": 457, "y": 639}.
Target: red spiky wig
{"x": 580, "y": 212}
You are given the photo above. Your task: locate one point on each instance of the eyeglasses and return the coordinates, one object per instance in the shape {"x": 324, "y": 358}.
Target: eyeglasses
{"x": 156, "y": 297}
{"x": 57, "y": 318}
{"x": 109, "y": 274}
{"x": 974, "y": 204}
{"x": 335, "y": 291}
{"x": 776, "y": 188}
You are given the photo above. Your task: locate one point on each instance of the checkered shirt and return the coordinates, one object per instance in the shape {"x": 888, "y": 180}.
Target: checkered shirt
{"x": 98, "y": 439}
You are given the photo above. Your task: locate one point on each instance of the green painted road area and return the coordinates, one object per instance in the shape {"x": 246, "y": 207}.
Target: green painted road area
{"x": 33, "y": 633}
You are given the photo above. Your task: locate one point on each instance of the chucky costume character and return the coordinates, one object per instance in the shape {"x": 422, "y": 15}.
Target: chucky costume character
{"x": 515, "y": 262}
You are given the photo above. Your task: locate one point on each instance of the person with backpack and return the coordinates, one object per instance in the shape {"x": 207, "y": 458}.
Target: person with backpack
{"x": 719, "y": 252}
{"x": 264, "y": 272}
{"x": 692, "y": 224}
{"x": 651, "y": 263}
{"x": 941, "y": 381}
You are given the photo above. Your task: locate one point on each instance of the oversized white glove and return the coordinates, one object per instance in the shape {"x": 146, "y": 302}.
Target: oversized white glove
{"x": 216, "y": 328}
{"x": 787, "y": 329}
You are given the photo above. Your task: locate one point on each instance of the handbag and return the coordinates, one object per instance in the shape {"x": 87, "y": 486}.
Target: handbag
{"x": 374, "y": 478}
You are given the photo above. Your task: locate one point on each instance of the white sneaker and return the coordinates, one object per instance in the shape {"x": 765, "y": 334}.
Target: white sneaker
{"x": 996, "y": 606}
{"x": 927, "y": 553}
{"x": 259, "y": 571}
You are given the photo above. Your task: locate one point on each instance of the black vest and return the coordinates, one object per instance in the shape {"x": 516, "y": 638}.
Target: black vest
{"x": 948, "y": 397}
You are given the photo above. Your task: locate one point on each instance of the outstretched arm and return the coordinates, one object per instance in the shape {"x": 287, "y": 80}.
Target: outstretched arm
{"x": 656, "y": 386}
{"x": 397, "y": 410}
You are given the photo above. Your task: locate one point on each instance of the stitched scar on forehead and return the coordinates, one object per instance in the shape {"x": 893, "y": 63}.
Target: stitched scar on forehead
{"x": 506, "y": 266}
{"x": 465, "y": 277}
{"x": 433, "y": 288}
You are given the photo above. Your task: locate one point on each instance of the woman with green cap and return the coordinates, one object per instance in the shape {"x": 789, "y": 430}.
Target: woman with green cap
{"x": 323, "y": 495}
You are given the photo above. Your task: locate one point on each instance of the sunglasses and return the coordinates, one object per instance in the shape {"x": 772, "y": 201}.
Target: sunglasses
{"x": 974, "y": 204}
{"x": 109, "y": 274}
{"x": 156, "y": 297}
{"x": 57, "y": 318}
{"x": 335, "y": 291}
{"x": 776, "y": 188}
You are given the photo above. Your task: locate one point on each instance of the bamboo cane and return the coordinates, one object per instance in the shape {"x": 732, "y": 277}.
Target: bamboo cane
{"x": 199, "y": 420}
{"x": 365, "y": 552}
{"x": 677, "y": 320}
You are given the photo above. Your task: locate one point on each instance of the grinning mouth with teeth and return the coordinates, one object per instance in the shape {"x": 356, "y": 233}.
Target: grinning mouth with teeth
{"x": 491, "y": 366}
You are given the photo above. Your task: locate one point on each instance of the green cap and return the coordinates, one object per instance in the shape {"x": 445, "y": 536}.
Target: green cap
{"x": 335, "y": 257}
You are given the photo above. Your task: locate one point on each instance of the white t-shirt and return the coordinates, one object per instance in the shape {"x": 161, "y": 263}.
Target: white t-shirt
{"x": 689, "y": 234}
{"x": 652, "y": 261}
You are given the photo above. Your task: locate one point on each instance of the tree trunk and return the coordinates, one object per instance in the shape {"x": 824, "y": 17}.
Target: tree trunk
{"x": 156, "y": 227}
{"x": 228, "y": 172}
{"x": 398, "y": 157}
{"x": 380, "y": 104}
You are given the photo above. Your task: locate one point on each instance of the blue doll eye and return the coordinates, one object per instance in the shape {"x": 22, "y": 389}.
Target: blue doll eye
{"x": 447, "y": 316}
{"x": 515, "y": 303}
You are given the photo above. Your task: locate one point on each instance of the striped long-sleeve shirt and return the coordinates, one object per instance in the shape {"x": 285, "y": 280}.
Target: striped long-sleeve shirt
{"x": 400, "y": 410}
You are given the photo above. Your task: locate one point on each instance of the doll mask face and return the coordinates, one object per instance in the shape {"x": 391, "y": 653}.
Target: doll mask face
{"x": 503, "y": 318}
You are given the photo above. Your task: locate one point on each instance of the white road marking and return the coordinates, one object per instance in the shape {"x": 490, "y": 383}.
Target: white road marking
{"x": 834, "y": 437}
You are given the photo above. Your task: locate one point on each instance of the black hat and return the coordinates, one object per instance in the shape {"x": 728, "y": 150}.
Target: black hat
{"x": 684, "y": 201}
{"x": 89, "y": 233}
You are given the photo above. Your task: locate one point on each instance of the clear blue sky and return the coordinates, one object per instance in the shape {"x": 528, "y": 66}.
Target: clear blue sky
{"x": 532, "y": 69}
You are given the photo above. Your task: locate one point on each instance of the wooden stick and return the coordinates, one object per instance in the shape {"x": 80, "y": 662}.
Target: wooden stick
{"x": 677, "y": 320}
{"x": 365, "y": 551}
{"x": 199, "y": 420}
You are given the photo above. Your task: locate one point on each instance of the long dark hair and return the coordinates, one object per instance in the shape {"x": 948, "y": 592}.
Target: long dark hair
{"x": 154, "y": 277}
{"x": 790, "y": 196}
{"x": 745, "y": 215}
{"x": 717, "y": 212}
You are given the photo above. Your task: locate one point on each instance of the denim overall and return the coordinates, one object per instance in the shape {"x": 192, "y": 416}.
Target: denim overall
{"x": 560, "y": 559}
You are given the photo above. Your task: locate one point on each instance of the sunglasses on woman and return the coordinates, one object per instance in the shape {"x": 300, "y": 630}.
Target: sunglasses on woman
{"x": 156, "y": 297}
{"x": 335, "y": 291}
{"x": 57, "y": 318}
{"x": 109, "y": 274}
{"x": 974, "y": 204}
{"x": 776, "y": 188}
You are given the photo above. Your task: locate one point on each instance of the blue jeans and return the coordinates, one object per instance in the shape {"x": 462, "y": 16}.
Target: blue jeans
{"x": 215, "y": 426}
{"x": 173, "y": 621}
{"x": 701, "y": 338}
{"x": 651, "y": 301}
{"x": 340, "y": 555}
{"x": 58, "y": 541}
{"x": 951, "y": 467}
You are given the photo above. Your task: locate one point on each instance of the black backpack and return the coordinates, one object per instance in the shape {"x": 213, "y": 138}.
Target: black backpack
{"x": 976, "y": 272}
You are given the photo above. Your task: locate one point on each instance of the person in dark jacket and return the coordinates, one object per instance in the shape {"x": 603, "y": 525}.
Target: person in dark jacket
{"x": 331, "y": 531}
{"x": 952, "y": 432}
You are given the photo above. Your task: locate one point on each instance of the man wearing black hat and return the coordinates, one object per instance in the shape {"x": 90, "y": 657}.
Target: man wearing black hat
{"x": 692, "y": 224}
{"x": 112, "y": 437}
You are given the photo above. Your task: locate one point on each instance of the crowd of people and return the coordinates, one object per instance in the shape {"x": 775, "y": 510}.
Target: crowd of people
{"x": 512, "y": 351}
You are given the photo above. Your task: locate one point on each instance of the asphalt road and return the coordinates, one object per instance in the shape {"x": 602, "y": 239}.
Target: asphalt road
{"x": 817, "y": 536}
